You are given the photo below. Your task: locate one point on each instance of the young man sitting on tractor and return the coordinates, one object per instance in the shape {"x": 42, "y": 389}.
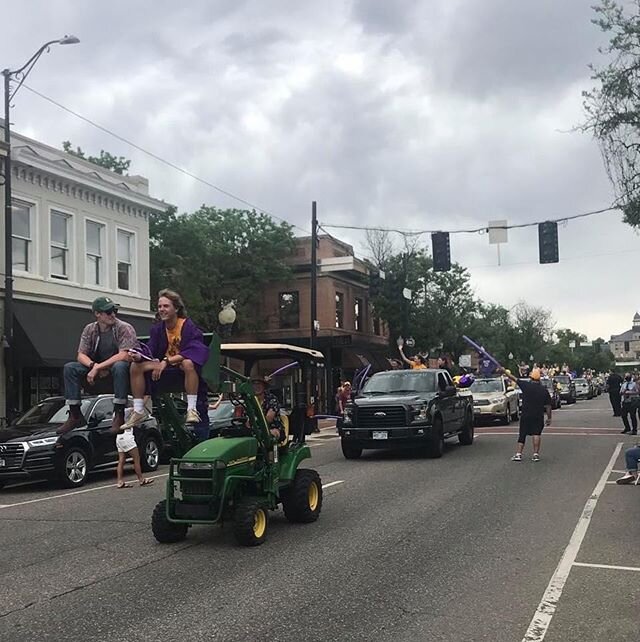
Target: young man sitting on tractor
{"x": 177, "y": 348}
{"x": 270, "y": 408}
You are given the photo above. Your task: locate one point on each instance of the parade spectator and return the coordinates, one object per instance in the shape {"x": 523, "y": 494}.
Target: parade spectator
{"x": 614, "y": 384}
{"x": 630, "y": 394}
{"x": 631, "y": 456}
{"x": 535, "y": 402}
{"x": 103, "y": 352}
{"x": 344, "y": 396}
{"x": 127, "y": 447}
{"x": 178, "y": 352}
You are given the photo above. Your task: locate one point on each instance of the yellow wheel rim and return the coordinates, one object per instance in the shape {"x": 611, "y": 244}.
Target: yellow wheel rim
{"x": 259, "y": 523}
{"x": 314, "y": 496}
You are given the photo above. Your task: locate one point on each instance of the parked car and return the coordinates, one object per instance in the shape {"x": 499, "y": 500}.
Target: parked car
{"x": 31, "y": 449}
{"x": 406, "y": 409}
{"x": 567, "y": 388}
{"x": 495, "y": 398}
{"x": 554, "y": 392}
{"x": 584, "y": 389}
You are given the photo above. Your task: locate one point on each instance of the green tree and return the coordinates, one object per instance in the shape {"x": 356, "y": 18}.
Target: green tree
{"x": 116, "y": 164}
{"x": 216, "y": 256}
{"x": 613, "y": 106}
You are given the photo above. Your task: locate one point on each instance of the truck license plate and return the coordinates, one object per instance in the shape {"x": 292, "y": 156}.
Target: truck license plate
{"x": 3, "y": 463}
{"x": 380, "y": 434}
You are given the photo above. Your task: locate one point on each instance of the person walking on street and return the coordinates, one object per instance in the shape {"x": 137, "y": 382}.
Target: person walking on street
{"x": 536, "y": 401}
{"x": 614, "y": 383}
{"x": 630, "y": 394}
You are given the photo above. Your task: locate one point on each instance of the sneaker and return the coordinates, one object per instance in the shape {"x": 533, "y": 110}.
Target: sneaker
{"x": 516, "y": 457}
{"x": 193, "y": 417}
{"x": 135, "y": 419}
{"x": 627, "y": 479}
{"x": 535, "y": 457}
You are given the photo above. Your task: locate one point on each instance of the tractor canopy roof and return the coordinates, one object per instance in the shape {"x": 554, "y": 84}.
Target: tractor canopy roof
{"x": 260, "y": 351}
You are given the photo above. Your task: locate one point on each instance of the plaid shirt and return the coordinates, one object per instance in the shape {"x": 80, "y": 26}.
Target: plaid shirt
{"x": 123, "y": 333}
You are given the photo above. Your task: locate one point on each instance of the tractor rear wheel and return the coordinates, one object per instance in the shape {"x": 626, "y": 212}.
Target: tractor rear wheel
{"x": 250, "y": 522}
{"x": 302, "y": 501}
{"x": 164, "y": 531}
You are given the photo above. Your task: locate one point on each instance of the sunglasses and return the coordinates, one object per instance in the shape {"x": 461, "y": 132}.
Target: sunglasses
{"x": 110, "y": 312}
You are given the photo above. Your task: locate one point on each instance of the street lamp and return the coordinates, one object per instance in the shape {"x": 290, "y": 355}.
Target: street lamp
{"x": 21, "y": 75}
{"x": 226, "y": 318}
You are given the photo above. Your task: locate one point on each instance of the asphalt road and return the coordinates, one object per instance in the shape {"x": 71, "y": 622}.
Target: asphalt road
{"x": 468, "y": 547}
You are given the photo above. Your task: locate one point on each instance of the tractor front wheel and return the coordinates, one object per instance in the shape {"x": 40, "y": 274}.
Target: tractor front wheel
{"x": 250, "y": 522}
{"x": 302, "y": 501}
{"x": 164, "y": 531}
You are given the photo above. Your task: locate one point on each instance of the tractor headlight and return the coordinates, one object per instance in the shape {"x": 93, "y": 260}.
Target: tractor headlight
{"x": 190, "y": 465}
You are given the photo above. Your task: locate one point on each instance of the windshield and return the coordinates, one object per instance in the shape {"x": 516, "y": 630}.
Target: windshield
{"x": 563, "y": 379}
{"x": 487, "y": 385}
{"x": 580, "y": 381}
{"x": 400, "y": 381}
{"x": 49, "y": 411}
{"x": 223, "y": 411}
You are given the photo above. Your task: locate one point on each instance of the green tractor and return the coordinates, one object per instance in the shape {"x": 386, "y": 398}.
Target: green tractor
{"x": 246, "y": 472}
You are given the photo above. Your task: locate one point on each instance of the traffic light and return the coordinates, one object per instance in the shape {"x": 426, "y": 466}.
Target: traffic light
{"x": 548, "y": 242}
{"x": 441, "y": 251}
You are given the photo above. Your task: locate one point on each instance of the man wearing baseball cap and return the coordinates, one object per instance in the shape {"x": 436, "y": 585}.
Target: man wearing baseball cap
{"x": 103, "y": 351}
{"x": 535, "y": 402}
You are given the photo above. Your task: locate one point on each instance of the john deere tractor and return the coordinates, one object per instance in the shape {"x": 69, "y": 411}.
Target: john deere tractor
{"x": 246, "y": 472}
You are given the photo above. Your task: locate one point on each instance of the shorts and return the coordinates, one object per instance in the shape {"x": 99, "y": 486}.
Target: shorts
{"x": 126, "y": 442}
{"x": 531, "y": 425}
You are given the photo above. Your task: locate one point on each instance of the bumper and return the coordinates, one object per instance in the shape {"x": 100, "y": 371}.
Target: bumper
{"x": 35, "y": 464}
{"x": 380, "y": 438}
{"x": 489, "y": 412}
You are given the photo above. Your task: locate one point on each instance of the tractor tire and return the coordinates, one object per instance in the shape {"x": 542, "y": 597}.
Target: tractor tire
{"x": 302, "y": 501}
{"x": 150, "y": 455}
{"x": 435, "y": 447}
{"x": 164, "y": 531}
{"x": 73, "y": 467}
{"x": 466, "y": 436}
{"x": 349, "y": 450}
{"x": 250, "y": 522}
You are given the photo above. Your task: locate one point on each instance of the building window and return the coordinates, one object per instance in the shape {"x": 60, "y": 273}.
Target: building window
{"x": 94, "y": 239}
{"x": 21, "y": 241}
{"x": 289, "y": 309}
{"x": 125, "y": 259}
{"x": 60, "y": 224}
{"x": 626, "y": 346}
{"x": 358, "y": 315}
{"x": 376, "y": 326}
{"x": 339, "y": 310}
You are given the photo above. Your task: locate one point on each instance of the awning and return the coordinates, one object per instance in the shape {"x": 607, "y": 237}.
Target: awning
{"x": 48, "y": 335}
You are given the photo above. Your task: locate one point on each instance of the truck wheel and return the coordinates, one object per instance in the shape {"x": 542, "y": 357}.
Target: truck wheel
{"x": 164, "y": 531}
{"x": 149, "y": 455}
{"x": 466, "y": 436}
{"x": 250, "y": 522}
{"x": 435, "y": 448}
{"x": 349, "y": 450}
{"x": 73, "y": 467}
{"x": 302, "y": 501}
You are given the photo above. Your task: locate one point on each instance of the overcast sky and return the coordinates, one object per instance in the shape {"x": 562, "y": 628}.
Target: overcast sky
{"x": 419, "y": 114}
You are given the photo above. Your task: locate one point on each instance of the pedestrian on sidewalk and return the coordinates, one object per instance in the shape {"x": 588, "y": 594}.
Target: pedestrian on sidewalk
{"x": 535, "y": 402}
{"x": 630, "y": 393}
{"x": 127, "y": 447}
{"x": 614, "y": 383}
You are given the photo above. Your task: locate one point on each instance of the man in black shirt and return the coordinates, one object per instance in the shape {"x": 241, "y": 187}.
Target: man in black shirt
{"x": 535, "y": 402}
{"x": 614, "y": 383}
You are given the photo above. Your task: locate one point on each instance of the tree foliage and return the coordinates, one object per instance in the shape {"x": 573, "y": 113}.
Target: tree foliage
{"x": 116, "y": 164}
{"x": 613, "y": 106}
{"x": 216, "y": 256}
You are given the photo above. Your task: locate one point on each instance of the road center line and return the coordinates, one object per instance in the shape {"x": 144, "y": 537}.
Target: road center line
{"x": 608, "y": 566}
{"x": 547, "y": 607}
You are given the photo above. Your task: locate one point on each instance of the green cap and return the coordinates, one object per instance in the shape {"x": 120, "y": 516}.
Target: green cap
{"x": 104, "y": 304}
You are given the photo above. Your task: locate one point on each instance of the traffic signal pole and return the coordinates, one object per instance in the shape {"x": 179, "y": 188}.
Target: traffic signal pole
{"x": 313, "y": 334}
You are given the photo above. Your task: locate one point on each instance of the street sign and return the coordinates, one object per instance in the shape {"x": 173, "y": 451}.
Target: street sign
{"x": 498, "y": 232}
{"x": 464, "y": 360}
{"x": 406, "y": 293}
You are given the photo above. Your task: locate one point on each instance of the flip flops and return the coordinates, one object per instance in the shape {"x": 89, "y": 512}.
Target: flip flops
{"x": 146, "y": 482}
{"x": 124, "y": 485}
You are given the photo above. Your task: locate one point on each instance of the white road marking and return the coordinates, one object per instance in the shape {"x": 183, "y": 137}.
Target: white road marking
{"x": 623, "y": 472}
{"x": 556, "y": 434}
{"x": 547, "y": 607}
{"x": 609, "y": 566}
{"x": 333, "y": 483}
{"x": 75, "y": 492}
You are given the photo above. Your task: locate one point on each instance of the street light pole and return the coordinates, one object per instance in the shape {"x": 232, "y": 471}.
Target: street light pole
{"x": 8, "y": 74}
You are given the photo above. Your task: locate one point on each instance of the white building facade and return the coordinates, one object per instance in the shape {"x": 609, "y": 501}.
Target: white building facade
{"x": 79, "y": 231}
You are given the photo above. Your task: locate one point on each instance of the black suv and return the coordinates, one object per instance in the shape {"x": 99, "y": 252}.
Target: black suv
{"x": 31, "y": 449}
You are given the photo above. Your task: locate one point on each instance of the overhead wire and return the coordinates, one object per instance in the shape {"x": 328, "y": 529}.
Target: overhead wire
{"x": 160, "y": 159}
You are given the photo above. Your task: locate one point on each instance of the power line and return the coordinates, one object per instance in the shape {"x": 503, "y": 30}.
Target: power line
{"x": 478, "y": 230}
{"x": 162, "y": 160}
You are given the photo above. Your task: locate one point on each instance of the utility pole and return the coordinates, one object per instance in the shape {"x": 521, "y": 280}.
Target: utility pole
{"x": 314, "y": 302}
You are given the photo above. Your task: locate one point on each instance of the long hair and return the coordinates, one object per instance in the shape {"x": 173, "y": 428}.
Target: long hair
{"x": 177, "y": 301}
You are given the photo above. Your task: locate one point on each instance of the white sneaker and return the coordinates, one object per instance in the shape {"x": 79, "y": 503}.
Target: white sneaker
{"x": 135, "y": 419}
{"x": 535, "y": 457}
{"x": 192, "y": 417}
{"x": 517, "y": 457}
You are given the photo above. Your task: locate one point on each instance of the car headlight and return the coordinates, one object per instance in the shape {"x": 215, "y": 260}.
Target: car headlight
{"x": 496, "y": 400}
{"x": 347, "y": 413}
{"x": 421, "y": 412}
{"x": 46, "y": 441}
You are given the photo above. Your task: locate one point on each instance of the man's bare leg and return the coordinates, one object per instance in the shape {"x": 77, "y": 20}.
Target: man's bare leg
{"x": 536, "y": 444}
